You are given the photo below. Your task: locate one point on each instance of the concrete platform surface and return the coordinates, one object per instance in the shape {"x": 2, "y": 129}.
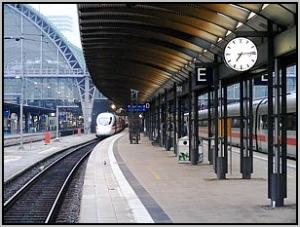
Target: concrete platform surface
{"x": 16, "y": 160}
{"x": 106, "y": 196}
{"x": 190, "y": 194}
{"x": 178, "y": 193}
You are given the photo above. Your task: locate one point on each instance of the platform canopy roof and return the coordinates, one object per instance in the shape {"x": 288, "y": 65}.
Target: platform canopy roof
{"x": 149, "y": 46}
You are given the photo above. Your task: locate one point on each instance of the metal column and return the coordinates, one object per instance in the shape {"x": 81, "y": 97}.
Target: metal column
{"x": 165, "y": 119}
{"x": 179, "y": 121}
{"x": 220, "y": 101}
{"x": 195, "y": 134}
{"x": 210, "y": 152}
{"x": 246, "y": 128}
{"x": 146, "y": 122}
{"x": 190, "y": 102}
{"x": 175, "y": 107}
{"x": 152, "y": 106}
{"x": 277, "y": 135}
{"x": 152, "y": 119}
{"x": 158, "y": 120}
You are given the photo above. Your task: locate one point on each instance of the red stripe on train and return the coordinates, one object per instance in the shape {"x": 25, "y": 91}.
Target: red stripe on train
{"x": 290, "y": 141}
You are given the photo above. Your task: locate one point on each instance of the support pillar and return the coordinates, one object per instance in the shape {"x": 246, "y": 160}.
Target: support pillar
{"x": 159, "y": 120}
{"x": 175, "y": 107}
{"x": 190, "y": 118}
{"x": 195, "y": 134}
{"x": 165, "y": 119}
{"x": 179, "y": 122}
{"x": 152, "y": 114}
{"x": 209, "y": 125}
{"x": 277, "y": 135}
{"x": 220, "y": 102}
{"x": 246, "y": 128}
{"x": 26, "y": 122}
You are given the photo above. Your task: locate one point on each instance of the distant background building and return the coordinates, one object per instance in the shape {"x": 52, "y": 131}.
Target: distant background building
{"x": 54, "y": 73}
{"x": 63, "y": 23}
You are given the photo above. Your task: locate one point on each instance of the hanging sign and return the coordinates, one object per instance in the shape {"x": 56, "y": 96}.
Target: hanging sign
{"x": 204, "y": 75}
{"x": 262, "y": 80}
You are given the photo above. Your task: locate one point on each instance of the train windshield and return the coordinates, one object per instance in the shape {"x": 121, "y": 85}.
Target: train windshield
{"x": 104, "y": 121}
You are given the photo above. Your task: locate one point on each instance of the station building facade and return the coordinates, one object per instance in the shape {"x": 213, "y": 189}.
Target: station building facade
{"x": 52, "y": 72}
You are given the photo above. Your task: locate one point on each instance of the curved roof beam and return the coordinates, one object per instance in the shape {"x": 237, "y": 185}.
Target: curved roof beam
{"x": 92, "y": 48}
{"x": 146, "y": 34}
{"x": 48, "y": 30}
{"x": 158, "y": 23}
{"x": 160, "y": 14}
{"x": 137, "y": 67}
{"x": 124, "y": 38}
{"x": 137, "y": 54}
{"x": 90, "y": 54}
{"x": 164, "y": 34}
{"x": 135, "y": 75}
{"x": 137, "y": 58}
{"x": 159, "y": 55}
{"x": 200, "y": 13}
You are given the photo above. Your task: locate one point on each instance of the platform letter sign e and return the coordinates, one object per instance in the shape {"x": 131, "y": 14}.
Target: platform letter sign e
{"x": 203, "y": 75}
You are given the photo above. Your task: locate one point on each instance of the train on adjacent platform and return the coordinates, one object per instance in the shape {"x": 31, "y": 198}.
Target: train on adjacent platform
{"x": 108, "y": 124}
{"x": 260, "y": 124}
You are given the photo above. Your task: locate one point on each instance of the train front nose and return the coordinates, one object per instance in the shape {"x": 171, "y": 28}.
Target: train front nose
{"x": 104, "y": 131}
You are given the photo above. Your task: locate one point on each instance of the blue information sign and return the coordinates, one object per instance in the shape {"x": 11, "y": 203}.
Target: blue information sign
{"x": 6, "y": 113}
{"x": 136, "y": 108}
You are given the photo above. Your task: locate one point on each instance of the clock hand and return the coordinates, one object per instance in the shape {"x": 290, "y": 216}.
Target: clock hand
{"x": 240, "y": 54}
{"x": 253, "y": 52}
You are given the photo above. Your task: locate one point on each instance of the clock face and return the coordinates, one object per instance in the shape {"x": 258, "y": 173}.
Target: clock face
{"x": 240, "y": 54}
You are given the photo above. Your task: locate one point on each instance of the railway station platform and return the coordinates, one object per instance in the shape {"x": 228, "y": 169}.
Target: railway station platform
{"x": 15, "y": 161}
{"x": 141, "y": 183}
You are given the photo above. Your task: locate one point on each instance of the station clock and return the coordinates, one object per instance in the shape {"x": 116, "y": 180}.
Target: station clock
{"x": 240, "y": 54}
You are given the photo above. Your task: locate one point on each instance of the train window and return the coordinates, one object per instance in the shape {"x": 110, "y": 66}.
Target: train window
{"x": 203, "y": 123}
{"x": 264, "y": 121}
{"x": 291, "y": 121}
{"x": 105, "y": 121}
{"x": 235, "y": 123}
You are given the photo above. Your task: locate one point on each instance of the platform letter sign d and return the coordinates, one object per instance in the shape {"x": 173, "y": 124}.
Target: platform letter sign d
{"x": 203, "y": 75}
{"x": 263, "y": 80}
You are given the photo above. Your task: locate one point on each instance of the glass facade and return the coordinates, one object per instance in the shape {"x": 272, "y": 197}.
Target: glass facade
{"x": 38, "y": 50}
{"x": 48, "y": 78}
{"x": 40, "y": 56}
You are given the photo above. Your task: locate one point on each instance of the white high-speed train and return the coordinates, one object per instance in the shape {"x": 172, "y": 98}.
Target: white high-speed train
{"x": 260, "y": 127}
{"x": 108, "y": 124}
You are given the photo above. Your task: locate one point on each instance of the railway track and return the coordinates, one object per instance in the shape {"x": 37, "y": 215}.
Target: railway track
{"x": 39, "y": 200}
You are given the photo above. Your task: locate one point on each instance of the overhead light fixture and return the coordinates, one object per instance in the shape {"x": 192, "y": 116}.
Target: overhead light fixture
{"x": 219, "y": 39}
{"x": 17, "y": 77}
{"x": 194, "y": 60}
{"x": 252, "y": 14}
{"x": 205, "y": 51}
{"x": 239, "y": 24}
{"x": 113, "y": 106}
{"x": 228, "y": 32}
{"x": 264, "y": 6}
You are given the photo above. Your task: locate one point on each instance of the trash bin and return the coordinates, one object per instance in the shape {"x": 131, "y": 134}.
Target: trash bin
{"x": 183, "y": 150}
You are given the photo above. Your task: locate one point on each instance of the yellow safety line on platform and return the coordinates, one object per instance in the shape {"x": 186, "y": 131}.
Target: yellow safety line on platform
{"x": 155, "y": 174}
